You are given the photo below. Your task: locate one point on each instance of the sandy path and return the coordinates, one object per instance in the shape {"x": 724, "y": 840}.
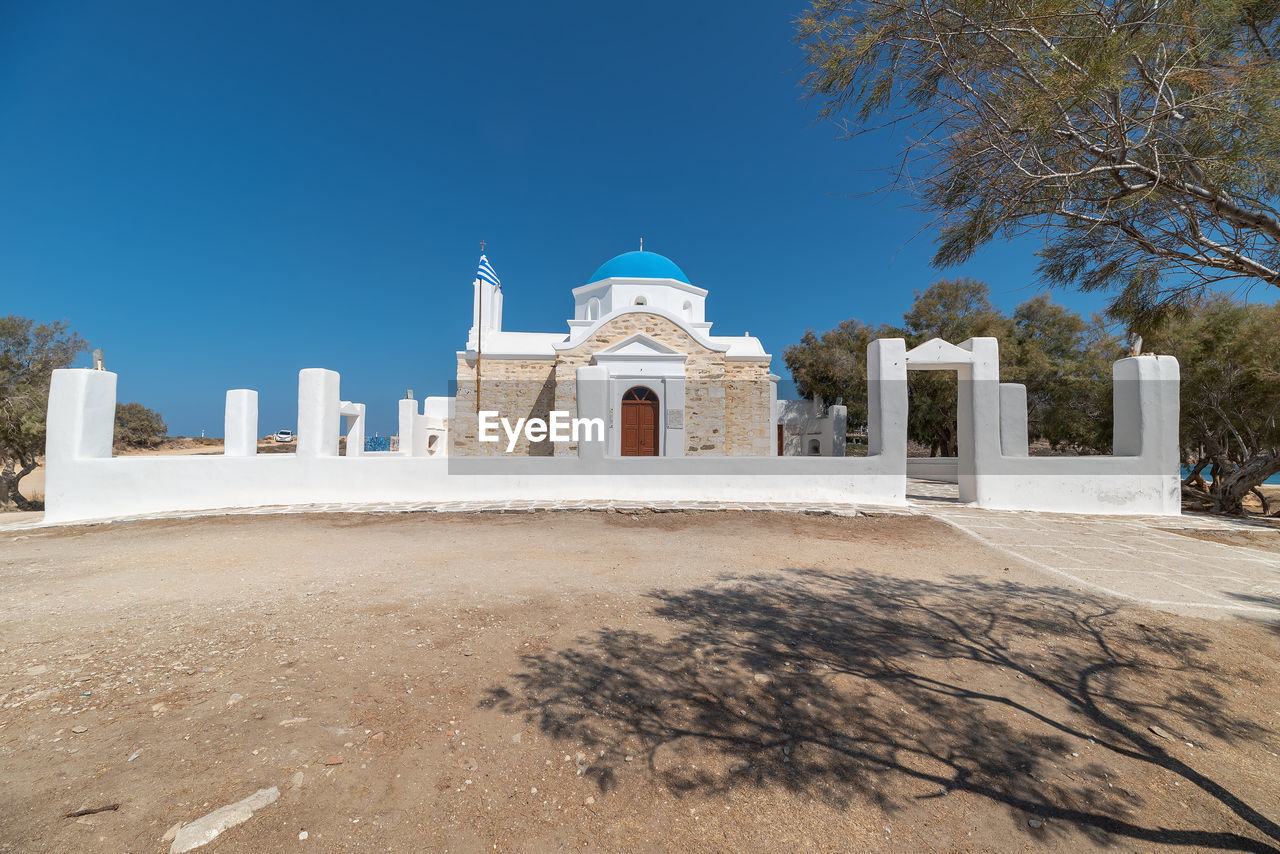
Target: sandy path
{"x": 662, "y": 682}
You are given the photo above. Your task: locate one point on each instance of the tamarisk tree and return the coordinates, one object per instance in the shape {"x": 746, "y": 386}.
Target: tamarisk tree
{"x": 1140, "y": 139}
{"x": 29, "y": 352}
{"x": 1231, "y": 400}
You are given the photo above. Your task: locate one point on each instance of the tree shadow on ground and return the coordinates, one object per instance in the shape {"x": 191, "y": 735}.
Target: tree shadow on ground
{"x": 860, "y": 687}
{"x": 1272, "y": 620}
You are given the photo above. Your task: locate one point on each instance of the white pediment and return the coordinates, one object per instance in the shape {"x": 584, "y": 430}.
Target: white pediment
{"x": 937, "y": 353}
{"x": 640, "y": 346}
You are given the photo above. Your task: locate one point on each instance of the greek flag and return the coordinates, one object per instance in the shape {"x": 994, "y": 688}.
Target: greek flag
{"x": 486, "y": 273}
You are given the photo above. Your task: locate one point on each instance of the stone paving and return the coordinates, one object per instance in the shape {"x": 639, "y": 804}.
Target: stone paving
{"x": 1160, "y": 562}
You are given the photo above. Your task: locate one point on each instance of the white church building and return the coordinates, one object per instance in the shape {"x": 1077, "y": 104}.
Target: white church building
{"x": 641, "y": 337}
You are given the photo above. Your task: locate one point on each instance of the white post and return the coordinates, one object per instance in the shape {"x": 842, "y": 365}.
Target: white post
{"x": 240, "y": 423}
{"x": 82, "y": 415}
{"x": 319, "y": 418}
{"x": 978, "y": 417}
{"x": 1145, "y": 398}
{"x": 80, "y": 426}
{"x": 839, "y": 416}
{"x": 1145, "y": 402}
{"x": 354, "y": 414}
{"x": 887, "y": 400}
{"x": 433, "y": 423}
{"x": 407, "y": 419}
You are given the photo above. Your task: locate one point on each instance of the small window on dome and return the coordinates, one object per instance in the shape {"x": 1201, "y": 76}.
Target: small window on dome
{"x": 688, "y": 310}
{"x": 641, "y": 300}
{"x": 593, "y": 309}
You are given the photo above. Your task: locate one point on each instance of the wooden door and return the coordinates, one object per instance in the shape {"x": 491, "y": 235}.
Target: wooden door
{"x": 639, "y": 423}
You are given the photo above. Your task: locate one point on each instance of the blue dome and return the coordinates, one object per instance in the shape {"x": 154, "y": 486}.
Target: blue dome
{"x": 639, "y": 265}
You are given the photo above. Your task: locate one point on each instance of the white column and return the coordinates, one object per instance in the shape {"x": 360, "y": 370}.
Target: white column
{"x": 839, "y": 416}
{"x": 240, "y": 423}
{"x": 978, "y": 417}
{"x": 1145, "y": 398}
{"x": 80, "y": 426}
{"x": 1145, "y": 393}
{"x": 887, "y": 400}
{"x": 407, "y": 413}
{"x": 437, "y": 415}
{"x": 486, "y": 312}
{"x": 354, "y": 414}
{"x": 319, "y": 418}
{"x": 82, "y": 415}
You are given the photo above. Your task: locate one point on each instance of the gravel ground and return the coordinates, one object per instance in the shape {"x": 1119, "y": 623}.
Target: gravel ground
{"x": 613, "y": 682}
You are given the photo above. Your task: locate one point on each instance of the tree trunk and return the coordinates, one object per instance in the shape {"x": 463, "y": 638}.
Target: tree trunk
{"x": 1230, "y": 488}
{"x": 1194, "y": 479}
{"x": 9, "y": 477}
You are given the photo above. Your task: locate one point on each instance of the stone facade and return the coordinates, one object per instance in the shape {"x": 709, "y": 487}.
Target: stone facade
{"x": 726, "y": 403}
{"x": 517, "y": 388}
{"x": 748, "y": 414}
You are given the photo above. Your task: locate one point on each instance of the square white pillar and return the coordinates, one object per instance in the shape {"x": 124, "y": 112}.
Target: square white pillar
{"x": 240, "y": 423}
{"x": 408, "y": 419}
{"x": 887, "y": 400}
{"x": 82, "y": 415}
{"x": 839, "y": 416}
{"x": 319, "y": 416}
{"x": 354, "y": 415}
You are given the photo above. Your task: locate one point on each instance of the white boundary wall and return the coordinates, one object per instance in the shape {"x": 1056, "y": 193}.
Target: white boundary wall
{"x": 995, "y": 472}
{"x": 84, "y": 482}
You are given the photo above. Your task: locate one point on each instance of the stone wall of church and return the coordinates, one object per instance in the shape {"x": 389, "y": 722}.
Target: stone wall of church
{"x": 516, "y": 388}
{"x": 748, "y": 427}
{"x": 726, "y": 406}
{"x": 704, "y": 405}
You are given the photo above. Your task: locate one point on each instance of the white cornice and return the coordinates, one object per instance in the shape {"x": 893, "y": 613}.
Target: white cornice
{"x": 579, "y": 334}
{"x": 618, "y": 280}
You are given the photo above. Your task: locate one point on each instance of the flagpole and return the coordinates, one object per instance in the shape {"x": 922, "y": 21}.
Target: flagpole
{"x": 479, "y": 337}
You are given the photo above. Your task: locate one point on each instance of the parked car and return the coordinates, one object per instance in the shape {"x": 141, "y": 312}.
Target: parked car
{"x": 284, "y": 436}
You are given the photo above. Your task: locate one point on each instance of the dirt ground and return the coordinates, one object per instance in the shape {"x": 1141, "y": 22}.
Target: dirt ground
{"x": 613, "y": 682}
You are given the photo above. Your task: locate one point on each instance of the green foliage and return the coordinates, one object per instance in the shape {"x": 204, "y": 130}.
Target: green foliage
{"x": 832, "y": 366}
{"x": 1230, "y": 395}
{"x": 1064, "y": 361}
{"x": 138, "y": 427}
{"x": 29, "y": 353}
{"x": 1140, "y": 140}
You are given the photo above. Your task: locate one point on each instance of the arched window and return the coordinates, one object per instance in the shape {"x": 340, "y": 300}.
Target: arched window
{"x": 815, "y": 448}
{"x": 688, "y": 310}
{"x": 641, "y": 300}
{"x": 640, "y": 393}
{"x": 593, "y": 309}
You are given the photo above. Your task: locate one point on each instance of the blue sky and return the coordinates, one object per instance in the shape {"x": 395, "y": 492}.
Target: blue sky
{"x": 221, "y": 194}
